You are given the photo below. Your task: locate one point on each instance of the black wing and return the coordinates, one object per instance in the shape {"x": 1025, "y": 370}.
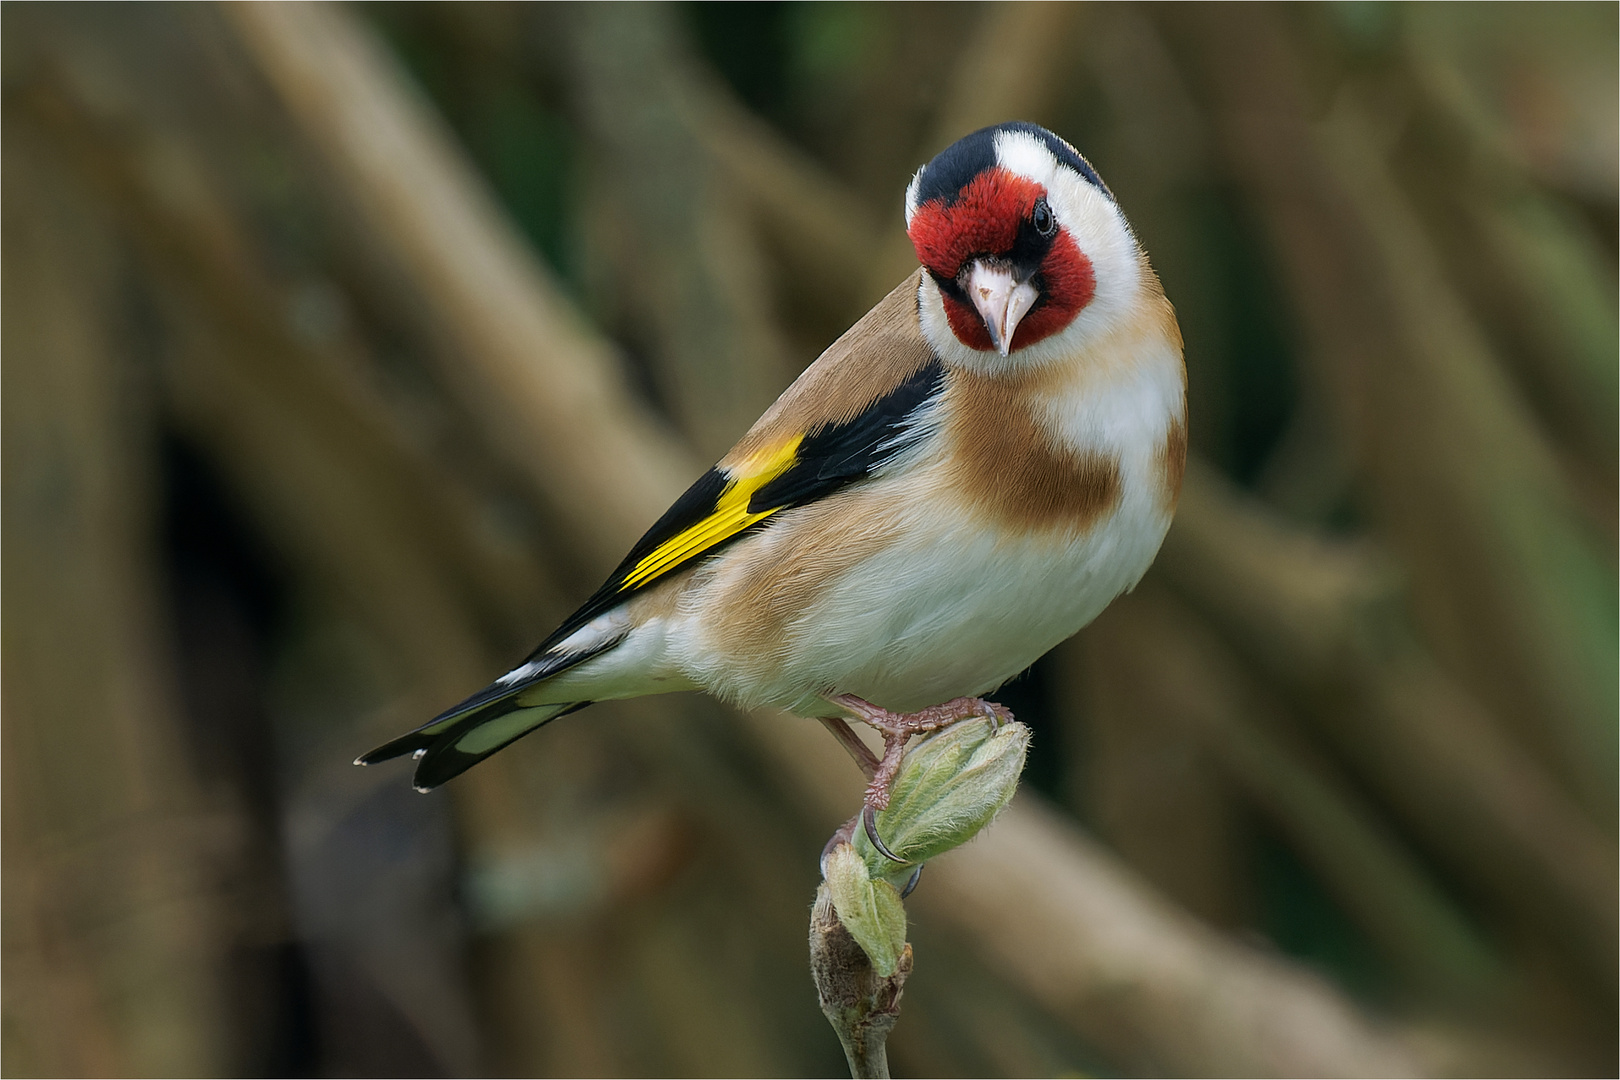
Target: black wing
{"x": 713, "y": 512}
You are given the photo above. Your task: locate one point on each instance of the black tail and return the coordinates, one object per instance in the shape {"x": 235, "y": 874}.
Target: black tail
{"x": 451, "y": 744}
{"x": 490, "y": 720}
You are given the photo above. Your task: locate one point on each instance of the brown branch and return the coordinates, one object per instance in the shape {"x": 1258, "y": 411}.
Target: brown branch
{"x": 1151, "y": 661}
{"x": 688, "y": 265}
{"x": 324, "y": 472}
{"x": 1317, "y": 616}
{"x": 823, "y": 232}
{"x": 323, "y": 464}
{"x": 1503, "y": 571}
{"x": 1534, "y": 271}
{"x": 522, "y": 358}
{"x": 115, "y": 926}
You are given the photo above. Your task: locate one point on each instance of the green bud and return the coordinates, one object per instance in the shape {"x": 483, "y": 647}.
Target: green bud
{"x": 869, "y": 908}
{"x": 951, "y": 784}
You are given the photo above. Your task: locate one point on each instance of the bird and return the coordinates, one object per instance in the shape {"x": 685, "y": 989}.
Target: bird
{"x": 965, "y": 478}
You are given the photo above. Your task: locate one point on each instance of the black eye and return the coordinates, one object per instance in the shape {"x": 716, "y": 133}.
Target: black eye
{"x": 1045, "y": 224}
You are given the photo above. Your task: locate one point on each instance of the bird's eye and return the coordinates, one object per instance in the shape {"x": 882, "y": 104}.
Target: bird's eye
{"x": 1045, "y": 224}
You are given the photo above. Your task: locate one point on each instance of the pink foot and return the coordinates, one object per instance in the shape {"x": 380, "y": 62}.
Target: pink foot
{"x": 896, "y": 728}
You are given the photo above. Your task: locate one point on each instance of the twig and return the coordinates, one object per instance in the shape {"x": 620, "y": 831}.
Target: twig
{"x": 1532, "y": 269}
{"x": 861, "y": 1005}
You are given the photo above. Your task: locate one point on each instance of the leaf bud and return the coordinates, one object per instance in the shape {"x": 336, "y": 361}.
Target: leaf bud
{"x": 951, "y": 784}
{"x": 869, "y": 908}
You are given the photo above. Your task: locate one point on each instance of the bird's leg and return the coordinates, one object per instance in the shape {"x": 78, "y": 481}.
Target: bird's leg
{"x": 896, "y": 728}
{"x": 851, "y": 742}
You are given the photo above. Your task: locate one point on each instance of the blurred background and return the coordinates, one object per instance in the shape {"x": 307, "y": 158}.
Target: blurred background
{"x": 347, "y": 347}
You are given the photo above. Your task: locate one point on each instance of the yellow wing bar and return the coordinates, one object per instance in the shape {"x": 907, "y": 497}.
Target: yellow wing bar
{"x": 729, "y": 517}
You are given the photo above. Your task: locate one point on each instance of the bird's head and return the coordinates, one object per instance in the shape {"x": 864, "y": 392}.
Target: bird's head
{"x": 1025, "y": 251}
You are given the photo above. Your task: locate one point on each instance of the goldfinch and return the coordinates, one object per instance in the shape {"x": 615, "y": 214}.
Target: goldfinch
{"x": 965, "y": 478}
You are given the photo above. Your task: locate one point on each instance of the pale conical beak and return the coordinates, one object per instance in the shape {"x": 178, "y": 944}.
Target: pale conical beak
{"x": 1000, "y": 300}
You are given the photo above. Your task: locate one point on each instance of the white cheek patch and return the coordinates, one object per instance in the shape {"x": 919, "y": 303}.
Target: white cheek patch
{"x": 1098, "y": 229}
{"x": 1101, "y": 233}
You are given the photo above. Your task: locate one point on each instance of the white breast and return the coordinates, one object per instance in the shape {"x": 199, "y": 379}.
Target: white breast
{"x": 956, "y": 611}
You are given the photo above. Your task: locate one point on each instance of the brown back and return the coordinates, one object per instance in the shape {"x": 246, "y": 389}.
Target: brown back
{"x": 872, "y": 357}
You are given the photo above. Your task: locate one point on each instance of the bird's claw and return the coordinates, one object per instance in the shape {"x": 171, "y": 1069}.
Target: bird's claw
{"x": 869, "y": 822}
{"x": 911, "y": 882}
